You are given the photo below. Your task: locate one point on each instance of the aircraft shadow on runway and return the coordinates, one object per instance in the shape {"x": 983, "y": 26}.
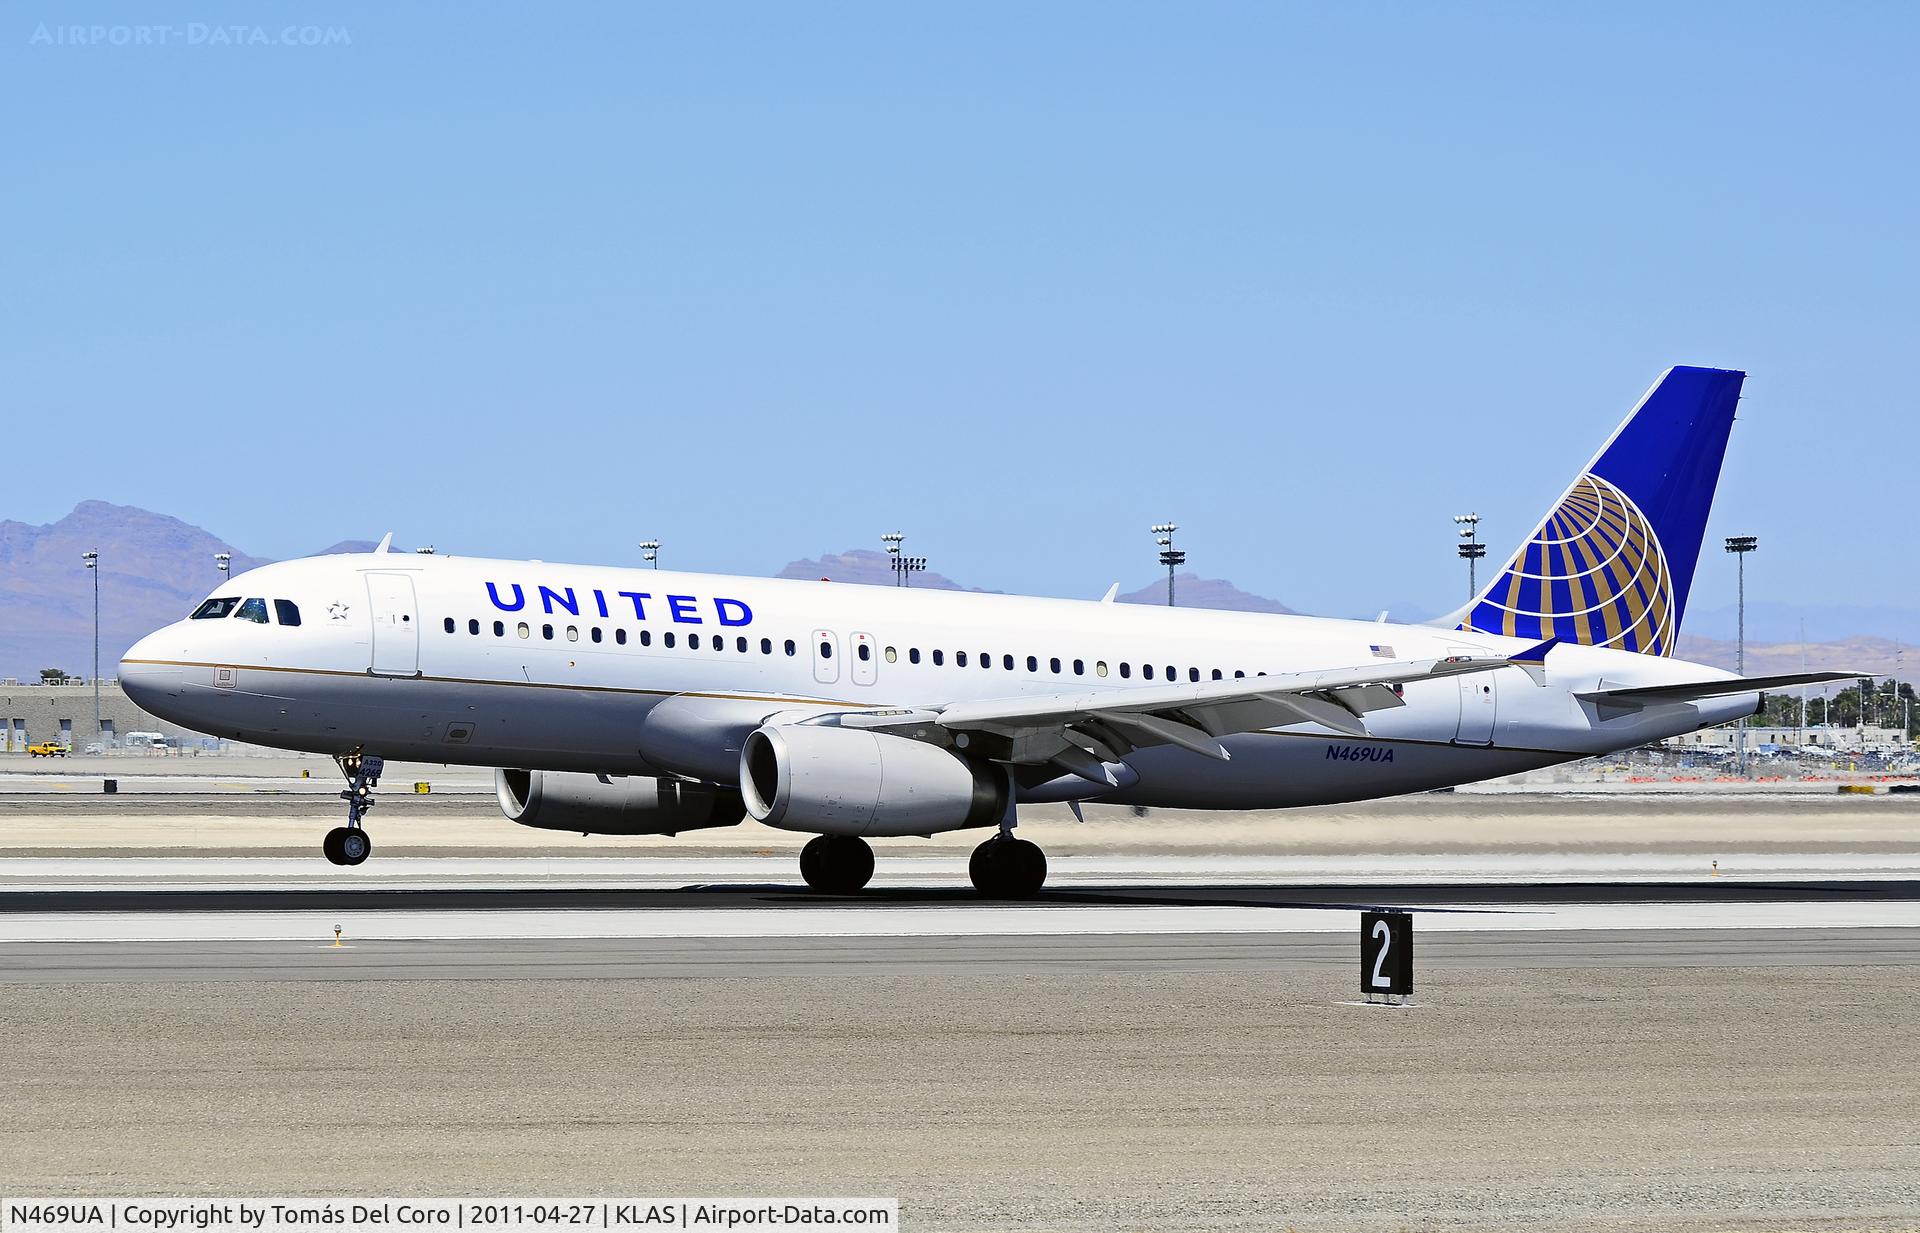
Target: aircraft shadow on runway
{"x": 1427, "y": 896}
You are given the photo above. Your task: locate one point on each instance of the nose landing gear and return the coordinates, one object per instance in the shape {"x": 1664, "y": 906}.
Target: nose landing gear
{"x": 350, "y": 844}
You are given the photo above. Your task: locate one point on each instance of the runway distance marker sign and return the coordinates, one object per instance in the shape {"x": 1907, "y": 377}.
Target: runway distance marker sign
{"x": 1386, "y": 953}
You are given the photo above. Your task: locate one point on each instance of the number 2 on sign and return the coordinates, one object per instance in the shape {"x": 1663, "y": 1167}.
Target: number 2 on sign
{"x": 1384, "y": 936}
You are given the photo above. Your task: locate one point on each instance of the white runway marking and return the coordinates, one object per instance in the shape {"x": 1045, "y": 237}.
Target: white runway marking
{"x": 796, "y": 918}
{"x": 922, "y": 921}
{"x": 654, "y": 873}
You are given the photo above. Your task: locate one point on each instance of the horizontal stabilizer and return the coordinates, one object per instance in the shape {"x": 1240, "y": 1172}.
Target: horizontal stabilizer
{"x": 1689, "y": 691}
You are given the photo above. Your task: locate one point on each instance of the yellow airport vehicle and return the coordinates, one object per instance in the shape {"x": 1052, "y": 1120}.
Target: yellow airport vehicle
{"x": 47, "y": 749}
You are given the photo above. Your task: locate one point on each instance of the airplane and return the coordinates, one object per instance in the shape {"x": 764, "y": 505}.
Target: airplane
{"x": 621, "y": 701}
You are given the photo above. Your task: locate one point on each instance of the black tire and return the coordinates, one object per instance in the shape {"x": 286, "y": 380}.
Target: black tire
{"x": 1008, "y": 868}
{"x": 837, "y": 864}
{"x": 355, "y": 845}
{"x": 813, "y": 862}
{"x": 330, "y": 846}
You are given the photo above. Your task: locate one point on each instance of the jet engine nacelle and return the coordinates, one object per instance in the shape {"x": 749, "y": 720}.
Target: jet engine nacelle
{"x": 627, "y": 805}
{"x": 854, "y": 781}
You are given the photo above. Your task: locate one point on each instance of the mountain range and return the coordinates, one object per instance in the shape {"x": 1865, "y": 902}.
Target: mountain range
{"x": 153, "y": 568}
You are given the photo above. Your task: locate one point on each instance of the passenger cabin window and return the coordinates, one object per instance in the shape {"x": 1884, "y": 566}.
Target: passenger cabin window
{"x": 620, "y": 636}
{"x": 254, "y": 610}
{"x": 499, "y": 629}
{"x": 866, "y": 652}
{"x": 473, "y": 627}
{"x": 913, "y": 654}
{"x": 215, "y": 609}
{"x": 939, "y": 658}
{"x": 790, "y": 647}
{"x": 448, "y": 626}
{"x": 287, "y": 611}
{"x": 1146, "y": 670}
{"x": 826, "y": 649}
{"x": 959, "y": 659}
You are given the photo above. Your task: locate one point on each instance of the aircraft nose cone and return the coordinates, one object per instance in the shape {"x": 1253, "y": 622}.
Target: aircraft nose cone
{"x": 149, "y": 683}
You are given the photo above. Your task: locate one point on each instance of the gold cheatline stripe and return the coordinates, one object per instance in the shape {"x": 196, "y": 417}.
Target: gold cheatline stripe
{"x": 460, "y": 680}
{"x": 468, "y": 680}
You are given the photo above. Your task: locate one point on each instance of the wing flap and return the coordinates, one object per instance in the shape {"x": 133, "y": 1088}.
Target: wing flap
{"x": 1108, "y": 724}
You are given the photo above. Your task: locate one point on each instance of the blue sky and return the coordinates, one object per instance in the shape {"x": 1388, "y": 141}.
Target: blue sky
{"x": 766, "y": 281}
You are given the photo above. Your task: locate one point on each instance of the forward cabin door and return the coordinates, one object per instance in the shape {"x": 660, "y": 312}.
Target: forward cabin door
{"x": 1479, "y": 699}
{"x": 396, "y": 630}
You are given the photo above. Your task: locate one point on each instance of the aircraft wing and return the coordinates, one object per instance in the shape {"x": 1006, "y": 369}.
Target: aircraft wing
{"x": 1635, "y": 696}
{"x": 1080, "y": 731}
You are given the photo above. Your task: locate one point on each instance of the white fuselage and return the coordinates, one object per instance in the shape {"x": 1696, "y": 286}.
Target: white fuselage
{"x": 542, "y": 666}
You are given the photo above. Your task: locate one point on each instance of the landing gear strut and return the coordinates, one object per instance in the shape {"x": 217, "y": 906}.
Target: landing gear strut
{"x": 1004, "y": 867}
{"x": 836, "y": 864}
{"x": 349, "y": 844}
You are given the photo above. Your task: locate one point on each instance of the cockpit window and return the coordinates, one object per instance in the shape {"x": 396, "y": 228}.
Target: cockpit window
{"x": 287, "y": 611}
{"x": 214, "y": 609}
{"x": 254, "y": 610}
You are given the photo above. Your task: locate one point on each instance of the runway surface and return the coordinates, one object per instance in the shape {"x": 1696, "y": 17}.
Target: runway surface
{"x": 1625, "y": 1040}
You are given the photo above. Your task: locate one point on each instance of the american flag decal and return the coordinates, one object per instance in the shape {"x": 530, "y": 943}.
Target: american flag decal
{"x": 1381, "y": 652}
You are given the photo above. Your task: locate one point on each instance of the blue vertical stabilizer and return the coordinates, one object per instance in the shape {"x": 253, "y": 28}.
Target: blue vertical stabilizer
{"x": 1612, "y": 563}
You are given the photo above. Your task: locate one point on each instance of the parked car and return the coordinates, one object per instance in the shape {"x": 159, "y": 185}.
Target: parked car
{"x": 47, "y": 749}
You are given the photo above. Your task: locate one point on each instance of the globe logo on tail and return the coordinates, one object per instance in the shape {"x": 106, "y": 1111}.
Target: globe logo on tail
{"x": 1593, "y": 573}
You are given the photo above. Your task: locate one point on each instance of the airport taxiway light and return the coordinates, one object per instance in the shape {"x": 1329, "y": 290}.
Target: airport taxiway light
{"x": 336, "y": 935}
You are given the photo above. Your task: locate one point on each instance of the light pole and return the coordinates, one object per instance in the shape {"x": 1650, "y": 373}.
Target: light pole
{"x": 650, "y": 552}
{"x": 1169, "y": 555}
{"x": 93, "y": 567}
{"x": 223, "y": 561}
{"x": 893, "y": 540}
{"x": 1740, "y": 546}
{"x": 904, "y": 568}
{"x": 1470, "y": 549}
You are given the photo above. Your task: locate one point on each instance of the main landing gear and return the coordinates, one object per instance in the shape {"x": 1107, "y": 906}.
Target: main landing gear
{"x": 836, "y": 864}
{"x": 350, "y": 844}
{"x": 1007, "y": 868}
{"x": 1002, "y": 868}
